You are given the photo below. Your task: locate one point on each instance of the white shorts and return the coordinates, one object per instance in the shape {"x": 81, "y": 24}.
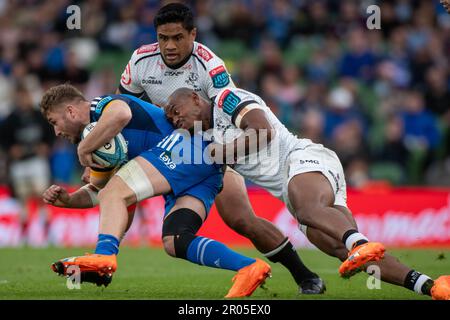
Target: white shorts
{"x": 312, "y": 158}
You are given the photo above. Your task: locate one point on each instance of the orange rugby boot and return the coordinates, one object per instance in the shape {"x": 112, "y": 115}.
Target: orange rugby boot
{"x": 248, "y": 279}
{"x": 360, "y": 255}
{"x": 95, "y": 268}
{"x": 441, "y": 288}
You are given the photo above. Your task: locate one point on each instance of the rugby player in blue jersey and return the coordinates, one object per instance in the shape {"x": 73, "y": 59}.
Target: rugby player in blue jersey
{"x": 189, "y": 188}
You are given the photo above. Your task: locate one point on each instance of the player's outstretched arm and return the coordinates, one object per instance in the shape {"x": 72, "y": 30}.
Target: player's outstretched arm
{"x": 114, "y": 118}
{"x": 84, "y": 197}
{"x": 59, "y": 197}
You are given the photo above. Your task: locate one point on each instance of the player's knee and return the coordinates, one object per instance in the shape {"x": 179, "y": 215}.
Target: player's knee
{"x": 177, "y": 246}
{"x": 104, "y": 194}
{"x": 179, "y": 230}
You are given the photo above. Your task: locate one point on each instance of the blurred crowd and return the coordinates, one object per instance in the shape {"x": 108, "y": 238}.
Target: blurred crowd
{"x": 379, "y": 98}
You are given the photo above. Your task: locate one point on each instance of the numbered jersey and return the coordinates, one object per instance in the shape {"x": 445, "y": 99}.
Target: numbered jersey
{"x": 147, "y": 72}
{"x": 267, "y": 166}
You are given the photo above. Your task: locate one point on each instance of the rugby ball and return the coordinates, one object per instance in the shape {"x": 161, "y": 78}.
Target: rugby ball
{"x": 113, "y": 153}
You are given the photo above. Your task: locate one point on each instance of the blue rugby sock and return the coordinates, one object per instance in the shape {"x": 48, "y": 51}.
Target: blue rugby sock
{"x": 214, "y": 254}
{"x": 107, "y": 244}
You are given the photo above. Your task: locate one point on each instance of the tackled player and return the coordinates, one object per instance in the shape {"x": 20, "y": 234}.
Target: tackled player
{"x": 188, "y": 188}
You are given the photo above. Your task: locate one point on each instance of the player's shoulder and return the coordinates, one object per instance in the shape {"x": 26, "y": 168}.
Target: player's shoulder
{"x": 101, "y": 101}
{"x": 230, "y": 99}
{"x": 233, "y": 93}
{"x": 98, "y": 104}
{"x": 145, "y": 51}
{"x": 206, "y": 56}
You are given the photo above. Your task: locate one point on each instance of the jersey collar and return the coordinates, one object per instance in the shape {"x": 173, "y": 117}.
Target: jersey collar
{"x": 181, "y": 63}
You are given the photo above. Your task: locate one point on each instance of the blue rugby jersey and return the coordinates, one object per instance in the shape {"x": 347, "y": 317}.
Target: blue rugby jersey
{"x": 147, "y": 127}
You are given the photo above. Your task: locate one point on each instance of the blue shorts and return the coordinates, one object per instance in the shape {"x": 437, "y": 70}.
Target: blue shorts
{"x": 182, "y": 175}
{"x": 206, "y": 191}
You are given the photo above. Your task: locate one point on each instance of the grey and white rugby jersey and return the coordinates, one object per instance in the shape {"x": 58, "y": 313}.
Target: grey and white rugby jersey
{"x": 267, "y": 167}
{"x": 146, "y": 71}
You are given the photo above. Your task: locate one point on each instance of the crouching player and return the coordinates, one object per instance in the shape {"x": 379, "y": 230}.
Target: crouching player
{"x": 306, "y": 176}
{"x": 189, "y": 189}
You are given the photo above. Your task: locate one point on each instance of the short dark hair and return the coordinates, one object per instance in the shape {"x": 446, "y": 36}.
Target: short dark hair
{"x": 173, "y": 13}
{"x": 56, "y": 96}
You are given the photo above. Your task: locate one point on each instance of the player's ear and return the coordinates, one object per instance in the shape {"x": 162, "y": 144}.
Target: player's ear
{"x": 70, "y": 111}
{"x": 193, "y": 33}
{"x": 195, "y": 97}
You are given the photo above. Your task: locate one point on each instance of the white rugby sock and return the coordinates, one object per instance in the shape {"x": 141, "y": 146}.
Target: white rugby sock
{"x": 353, "y": 238}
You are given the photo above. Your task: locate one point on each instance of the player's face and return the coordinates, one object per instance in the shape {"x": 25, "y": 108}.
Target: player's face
{"x": 65, "y": 125}
{"x": 183, "y": 112}
{"x": 175, "y": 42}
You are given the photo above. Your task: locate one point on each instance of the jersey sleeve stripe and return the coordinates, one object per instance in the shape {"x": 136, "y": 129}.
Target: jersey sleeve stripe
{"x": 244, "y": 111}
{"x": 239, "y": 109}
{"x": 201, "y": 62}
{"x": 150, "y": 55}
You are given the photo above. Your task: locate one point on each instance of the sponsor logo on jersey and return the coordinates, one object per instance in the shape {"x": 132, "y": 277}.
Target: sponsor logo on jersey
{"x": 228, "y": 101}
{"x": 203, "y": 53}
{"x": 222, "y": 125}
{"x": 151, "y": 80}
{"x": 165, "y": 158}
{"x": 102, "y": 104}
{"x": 192, "y": 81}
{"x": 148, "y": 48}
{"x": 309, "y": 161}
{"x": 173, "y": 73}
{"x": 220, "y": 77}
{"x": 126, "y": 75}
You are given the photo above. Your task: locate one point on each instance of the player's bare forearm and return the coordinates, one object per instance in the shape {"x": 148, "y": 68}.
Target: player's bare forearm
{"x": 83, "y": 198}
{"x": 58, "y": 196}
{"x": 257, "y": 134}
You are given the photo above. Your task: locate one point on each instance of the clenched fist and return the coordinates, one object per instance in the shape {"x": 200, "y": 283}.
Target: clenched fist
{"x": 56, "y": 196}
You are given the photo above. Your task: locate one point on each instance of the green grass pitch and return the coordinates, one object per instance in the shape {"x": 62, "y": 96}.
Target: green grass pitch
{"x": 148, "y": 273}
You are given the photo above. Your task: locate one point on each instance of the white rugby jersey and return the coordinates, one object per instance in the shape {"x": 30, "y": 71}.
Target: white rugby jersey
{"x": 266, "y": 167}
{"x": 147, "y": 72}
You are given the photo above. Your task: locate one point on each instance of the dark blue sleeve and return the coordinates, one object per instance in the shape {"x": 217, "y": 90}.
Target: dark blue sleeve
{"x": 98, "y": 104}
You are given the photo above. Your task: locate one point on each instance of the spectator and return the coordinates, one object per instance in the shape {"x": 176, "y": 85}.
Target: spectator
{"x": 421, "y": 128}
{"x": 358, "y": 61}
{"x": 312, "y": 125}
{"x": 393, "y": 149}
{"x": 26, "y": 137}
{"x": 341, "y": 109}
